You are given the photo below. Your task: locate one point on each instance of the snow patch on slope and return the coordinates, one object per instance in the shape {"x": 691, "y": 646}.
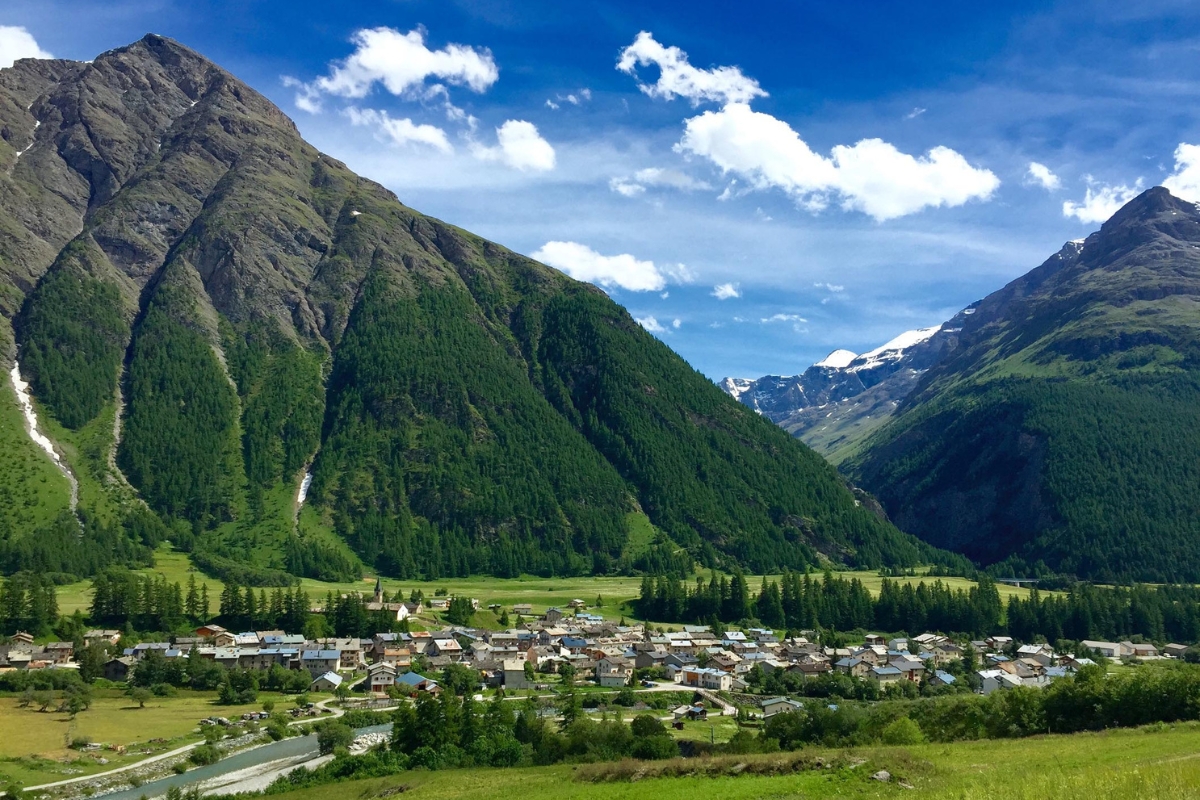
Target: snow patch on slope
{"x": 40, "y": 439}
{"x": 838, "y": 359}
{"x": 304, "y": 484}
{"x": 893, "y": 350}
{"x": 31, "y": 420}
{"x": 36, "y": 124}
{"x": 736, "y": 387}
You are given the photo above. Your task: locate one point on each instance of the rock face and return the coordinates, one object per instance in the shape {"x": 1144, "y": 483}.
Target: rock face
{"x": 1059, "y": 432}
{"x": 181, "y": 271}
{"x": 837, "y": 402}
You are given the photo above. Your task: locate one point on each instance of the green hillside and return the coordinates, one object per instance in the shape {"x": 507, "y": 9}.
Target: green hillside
{"x": 258, "y": 311}
{"x": 1061, "y": 435}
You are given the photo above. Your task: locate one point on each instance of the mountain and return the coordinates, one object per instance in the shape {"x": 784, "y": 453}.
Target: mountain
{"x": 837, "y": 402}
{"x": 234, "y": 342}
{"x": 1059, "y": 432}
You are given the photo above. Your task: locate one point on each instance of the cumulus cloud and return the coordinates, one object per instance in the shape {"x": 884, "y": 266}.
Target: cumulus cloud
{"x": 520, "y": 146}
{"x": 678, "y": 78}
{"x": 871, "y": 176}
{"x": 783, "y": 318}
{"x": 401, "y": 131}
{"x": 829, "y": 287}
{"x": 1041, "y": 175}
{"x": 651, "y": 324}
{"x": 15, "y": 43}
{"x": 1101, "y": 201}
{"x": 401, "y": 63}
{"x": 726, "y": 291}
{"x": 1184, "y": 182}
{"x": 624, "y": 271}
{"x": 656, "y": 177}
{"x": 675, "y": 323}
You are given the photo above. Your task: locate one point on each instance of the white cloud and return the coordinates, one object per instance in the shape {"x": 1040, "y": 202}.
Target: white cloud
{"x": 829, "y": 287}
{"x": 916, "y": 112}
{"x": 650, "y": 324}
{"x": 626, "y": 187}
{"x": 726, "y": 291}
{"x": 871, "y": 176}
{"x": 656, "y": 177}
{"x": 1184, "y": 182}
{"x": 783, "y": 318}
{"x": 585, "y": 264}
{"x": 1041, "y": 175}
{"x": 520, "y": 147}
{"x": 15, "y": 43}
{"x": 401, "y": 62}
{"x": 1101, "y": 201}
{"x": 574, "y": 98}
{"x": 678, "y": 78}
{"x": 401, "y": 131}
{"x": 675, "y": 323}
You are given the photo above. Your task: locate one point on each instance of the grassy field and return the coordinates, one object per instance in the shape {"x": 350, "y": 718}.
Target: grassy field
{"x": 541, "y": 593}
{"x": 34, "y": 745}
{"x": 1152, "y": 763}
{"x": 718, "y": 729}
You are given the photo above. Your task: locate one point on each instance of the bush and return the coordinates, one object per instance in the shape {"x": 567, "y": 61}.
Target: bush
{"x": 333, "y": 735}
{"x": 653, "y": 748}
{"x": 902, "y": 731}
{"x": 205, "y": 754}
{"x": 277, "y": 729}
{"x": 646, "y": 725}
{"x": 180, "y": 768}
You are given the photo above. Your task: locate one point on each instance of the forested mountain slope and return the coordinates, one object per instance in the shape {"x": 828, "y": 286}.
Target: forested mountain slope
{"x": 1061, "y": 434}
{"x": 206, "y": 307}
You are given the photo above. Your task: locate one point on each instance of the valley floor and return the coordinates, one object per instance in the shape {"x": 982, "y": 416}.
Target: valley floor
{"x": 1146, "y": 763}
{"x": 541, "y": 593}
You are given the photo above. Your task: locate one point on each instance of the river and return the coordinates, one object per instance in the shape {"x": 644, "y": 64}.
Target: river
{"x": 274, "y": 757}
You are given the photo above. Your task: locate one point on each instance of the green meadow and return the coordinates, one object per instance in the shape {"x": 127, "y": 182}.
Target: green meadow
{"x": 541, "y": 593}
{"x": 1153, "y": 763}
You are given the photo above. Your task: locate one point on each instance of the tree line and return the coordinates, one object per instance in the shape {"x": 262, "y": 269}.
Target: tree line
{"x": 1090, "y": 700}
{"x": 803, "y": 602}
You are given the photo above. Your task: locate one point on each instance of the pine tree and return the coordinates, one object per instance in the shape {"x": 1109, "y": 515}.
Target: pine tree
{"x": 191, "y": 605}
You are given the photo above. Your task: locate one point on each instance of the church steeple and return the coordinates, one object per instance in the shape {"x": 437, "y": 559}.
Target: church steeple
{"x": 378, "y": 590}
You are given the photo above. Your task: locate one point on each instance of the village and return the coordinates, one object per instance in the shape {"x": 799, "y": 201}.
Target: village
{"x": 576, "y": 646}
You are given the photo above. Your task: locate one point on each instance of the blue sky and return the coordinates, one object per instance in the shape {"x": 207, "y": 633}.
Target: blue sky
{"x": 758, "y": 183}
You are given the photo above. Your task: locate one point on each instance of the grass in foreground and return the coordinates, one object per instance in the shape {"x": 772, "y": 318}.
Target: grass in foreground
{"x": 1147, "y": 763}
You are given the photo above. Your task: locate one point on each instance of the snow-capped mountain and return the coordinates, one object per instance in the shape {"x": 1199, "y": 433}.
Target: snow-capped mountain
{"x": 844, "y": 396}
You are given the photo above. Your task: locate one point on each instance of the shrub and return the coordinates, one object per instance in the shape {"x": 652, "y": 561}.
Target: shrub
{"x": 205, "y": 754}
{"x": 333, "y": 735}
{"x": 902, "y": 731}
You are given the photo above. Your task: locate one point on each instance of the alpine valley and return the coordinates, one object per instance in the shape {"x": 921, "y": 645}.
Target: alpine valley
{"x": 1051, "y": 428}
{"x": 233, "y": 342}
